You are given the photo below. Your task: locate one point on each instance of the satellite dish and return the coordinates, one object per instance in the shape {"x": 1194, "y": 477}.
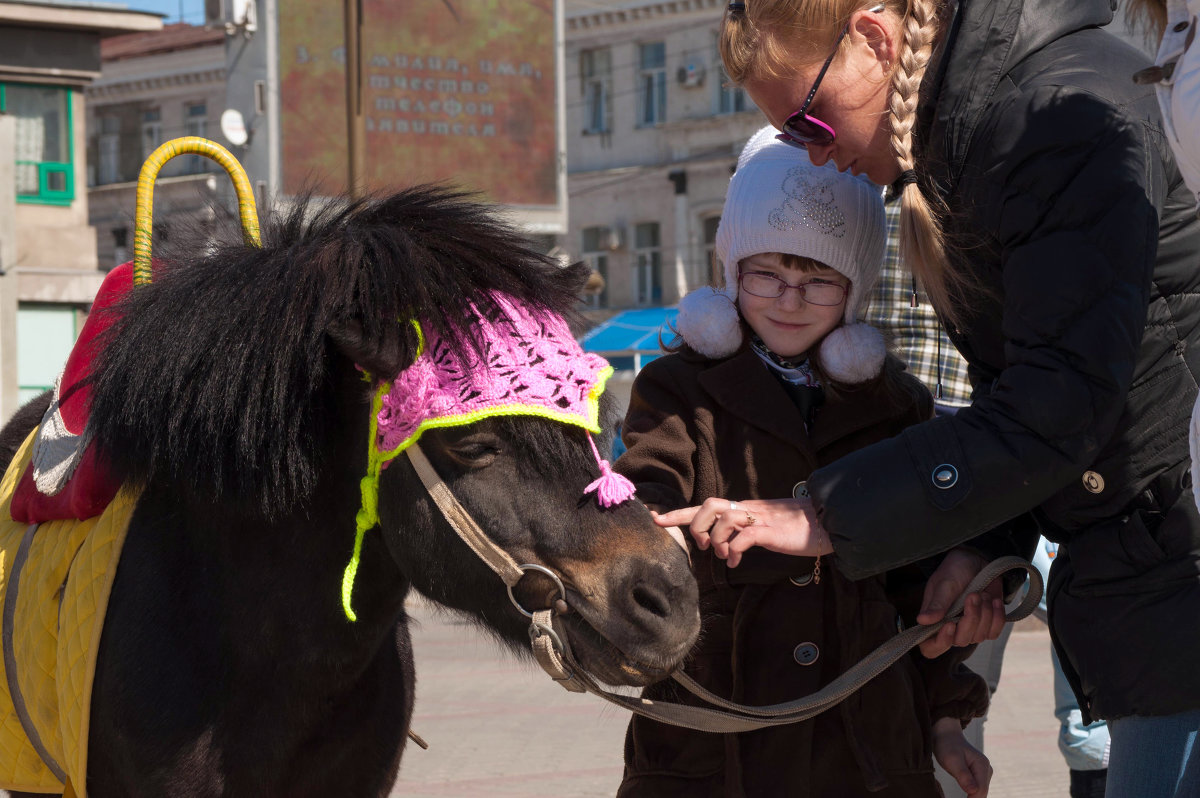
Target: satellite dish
{"x": 233, "y": 127}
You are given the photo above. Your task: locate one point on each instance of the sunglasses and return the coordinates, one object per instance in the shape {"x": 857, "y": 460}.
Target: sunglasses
{"x": 800, "y": 129}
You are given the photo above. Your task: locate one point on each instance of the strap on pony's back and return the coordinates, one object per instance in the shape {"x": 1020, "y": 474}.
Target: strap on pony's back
{"x": 10, "y": 655}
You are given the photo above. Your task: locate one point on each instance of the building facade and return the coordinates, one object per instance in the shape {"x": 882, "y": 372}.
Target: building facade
{"x": 49, "y": 54}
{"x": 154, "y": 86}
{"x": 653, "y": 134}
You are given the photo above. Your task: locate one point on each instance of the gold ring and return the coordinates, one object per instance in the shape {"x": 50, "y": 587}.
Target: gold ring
{"x": 750, "y": 520}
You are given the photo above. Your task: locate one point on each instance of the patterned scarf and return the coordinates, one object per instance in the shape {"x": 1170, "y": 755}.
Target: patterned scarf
{"x": 789, "y": 371}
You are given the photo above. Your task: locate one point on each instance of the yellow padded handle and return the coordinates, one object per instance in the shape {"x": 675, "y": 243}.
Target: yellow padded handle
{"x": 143, "y": 229}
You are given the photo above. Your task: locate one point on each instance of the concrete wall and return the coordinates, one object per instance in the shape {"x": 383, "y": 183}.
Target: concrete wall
{"x": 51, "y": 51}
{"x": 8, "y": 257}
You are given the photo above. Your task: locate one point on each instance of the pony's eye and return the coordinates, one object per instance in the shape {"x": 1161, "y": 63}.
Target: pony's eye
{"x": 474, "y": 454}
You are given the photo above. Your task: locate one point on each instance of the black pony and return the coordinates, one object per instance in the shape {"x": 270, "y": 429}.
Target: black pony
{"x": 235, "y": 391}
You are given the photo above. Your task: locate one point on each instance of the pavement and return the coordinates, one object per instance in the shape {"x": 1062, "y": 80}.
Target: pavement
{"x": 498, "y": 726}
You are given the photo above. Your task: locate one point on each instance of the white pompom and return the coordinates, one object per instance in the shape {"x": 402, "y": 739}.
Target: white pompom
{"x": 708, "y": 322}
{"x": 853, "y": 353}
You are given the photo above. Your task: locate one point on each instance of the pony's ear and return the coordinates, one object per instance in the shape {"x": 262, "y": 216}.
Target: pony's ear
{"x": 384, "y": 355}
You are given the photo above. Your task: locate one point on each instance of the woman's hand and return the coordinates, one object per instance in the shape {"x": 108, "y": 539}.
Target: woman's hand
{"x": 788, "y": 526}
{"x": 968, "y": 766}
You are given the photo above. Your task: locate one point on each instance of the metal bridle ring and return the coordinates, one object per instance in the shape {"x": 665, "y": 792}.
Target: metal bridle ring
{"x": 536, "y": 630}
{"x": 562, "y": 591}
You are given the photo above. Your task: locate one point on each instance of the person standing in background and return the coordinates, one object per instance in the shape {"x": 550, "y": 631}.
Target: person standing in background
{"x": 1176, "y": 79}
{"x": 915, "y": 335}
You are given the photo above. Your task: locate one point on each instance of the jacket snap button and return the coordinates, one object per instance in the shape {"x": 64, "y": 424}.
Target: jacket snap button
{"x": 800, "y": 490}
{"x": 806, "y": 653}
{"x": 1093, "y": 482}
{"x": 945, "y": 476}
{"x": 801, "y": 581}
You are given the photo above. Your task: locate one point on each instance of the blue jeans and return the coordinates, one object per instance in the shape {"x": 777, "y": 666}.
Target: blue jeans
{"x": 1154, "y": 757}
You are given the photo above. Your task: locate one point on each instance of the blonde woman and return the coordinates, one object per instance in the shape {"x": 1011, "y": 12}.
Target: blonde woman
{"x": 1044, "y": 214}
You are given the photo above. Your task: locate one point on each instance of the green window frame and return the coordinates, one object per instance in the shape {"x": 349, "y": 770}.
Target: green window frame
{"x": 55, "y": 178}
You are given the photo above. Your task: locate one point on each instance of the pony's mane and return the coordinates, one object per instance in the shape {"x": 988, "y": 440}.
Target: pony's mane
{"x": 218, "y": 378}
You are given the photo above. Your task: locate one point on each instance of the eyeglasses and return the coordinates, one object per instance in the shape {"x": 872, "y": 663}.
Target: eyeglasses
{"x": 768, "y": 286}
{"x": 800, "y": 129}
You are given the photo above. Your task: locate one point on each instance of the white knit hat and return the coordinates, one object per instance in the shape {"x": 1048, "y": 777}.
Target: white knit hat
{"x": 779, "y": 202}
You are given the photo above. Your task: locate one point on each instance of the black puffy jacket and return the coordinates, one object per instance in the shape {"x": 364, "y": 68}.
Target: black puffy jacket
{"x": 1070, "y": 218}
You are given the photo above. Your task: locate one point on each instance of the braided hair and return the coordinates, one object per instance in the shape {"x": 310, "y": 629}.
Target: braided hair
{"x": 764, "y": 39}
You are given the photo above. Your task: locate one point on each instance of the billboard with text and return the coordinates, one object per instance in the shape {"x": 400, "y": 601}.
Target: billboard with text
{"x": 462, "y": 91}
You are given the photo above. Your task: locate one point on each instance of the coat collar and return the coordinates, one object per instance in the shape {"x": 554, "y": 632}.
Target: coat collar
{"x": 744, "y": 387}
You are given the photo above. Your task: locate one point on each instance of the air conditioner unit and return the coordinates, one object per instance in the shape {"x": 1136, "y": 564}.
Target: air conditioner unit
{"x": 615, "y": 239}
{"x": 691, "y": 75}
{"x": 233, "y": 15}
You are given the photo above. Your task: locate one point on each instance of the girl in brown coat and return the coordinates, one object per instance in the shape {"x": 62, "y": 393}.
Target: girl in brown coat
{"x": 770, "y": 382}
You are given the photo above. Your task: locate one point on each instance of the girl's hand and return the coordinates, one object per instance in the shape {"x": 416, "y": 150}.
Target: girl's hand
{"x": 969, "y": 767}
{"x": 983, "y": 613}
{"x": 788, "y": 526}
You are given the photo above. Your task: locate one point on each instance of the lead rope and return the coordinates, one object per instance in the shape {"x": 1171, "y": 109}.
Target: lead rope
{"x": 553, "y": 652}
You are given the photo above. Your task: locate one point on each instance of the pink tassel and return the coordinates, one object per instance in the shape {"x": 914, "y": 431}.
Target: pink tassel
{"x": 611, "y": 488}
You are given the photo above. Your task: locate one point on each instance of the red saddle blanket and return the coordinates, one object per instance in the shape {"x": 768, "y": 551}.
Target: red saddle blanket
{"x": 65, "y": 478}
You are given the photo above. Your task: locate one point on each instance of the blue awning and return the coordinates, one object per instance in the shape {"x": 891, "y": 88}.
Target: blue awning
{"x": 632, "y": 331}
{"x": 631, "y": 338}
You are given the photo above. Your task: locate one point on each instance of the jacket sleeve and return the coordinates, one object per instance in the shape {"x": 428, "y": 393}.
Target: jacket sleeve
{"x": 953, "y": 689}
{"x": 1077, "y": 188}
{"x": 660, "y": 434}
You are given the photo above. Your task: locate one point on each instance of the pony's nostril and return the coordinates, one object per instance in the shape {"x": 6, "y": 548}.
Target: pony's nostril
{"x": 652, "y": 601}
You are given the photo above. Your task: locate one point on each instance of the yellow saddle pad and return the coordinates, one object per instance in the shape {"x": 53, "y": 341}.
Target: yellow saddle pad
{"x": 56, "y": 607}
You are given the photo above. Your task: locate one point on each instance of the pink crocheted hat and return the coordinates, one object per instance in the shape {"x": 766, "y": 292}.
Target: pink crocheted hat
{"x": 532, "y": 366}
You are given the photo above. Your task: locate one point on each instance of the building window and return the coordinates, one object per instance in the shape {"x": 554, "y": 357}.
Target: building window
{"x": 730, "y": 99}
{"x": 710, "y": 270}
{"x": 45, "y": 335}
{"x": 595, "y": 72}
{"x": 195, "y": 123}
{"x": 647, "y": 278}
{"x": 44, "y": 166}
{"x": 120, "y": 245}
{"x": 595, "y": 255}
{"x": 108, "y": 150}
{"x": 652, "y": 84}
{"x": 151, "y": 131}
